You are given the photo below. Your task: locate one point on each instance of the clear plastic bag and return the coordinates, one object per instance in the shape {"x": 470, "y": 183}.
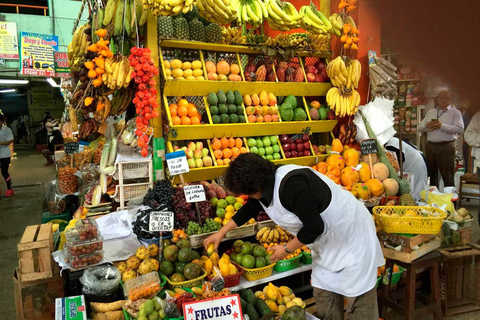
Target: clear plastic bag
{"x": 101, "y": 283}
{"x": 67, "y": 180}
{"x": 55, "y": 199}
{"x": 217, "y": 283}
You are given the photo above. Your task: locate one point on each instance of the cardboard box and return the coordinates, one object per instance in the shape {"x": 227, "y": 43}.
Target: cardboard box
{"x": 70, "y": 308}
{"x": 35, "y": 300}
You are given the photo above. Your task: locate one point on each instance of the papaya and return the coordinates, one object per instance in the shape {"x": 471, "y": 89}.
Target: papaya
{"x": 364, "y": 172}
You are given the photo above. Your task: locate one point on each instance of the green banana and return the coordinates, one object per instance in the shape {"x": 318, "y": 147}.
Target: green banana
{"x": 110, "y": 9}
{"x": 143, "y": 17}
{"x": 118, "y": 28}
{"x": 128, "y": 16}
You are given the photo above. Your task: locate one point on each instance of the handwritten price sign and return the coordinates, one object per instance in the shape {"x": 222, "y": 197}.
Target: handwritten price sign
{"x": 194, "y": 193}
{"x": 161, "y": 221}
{"x": 177, "y": 162}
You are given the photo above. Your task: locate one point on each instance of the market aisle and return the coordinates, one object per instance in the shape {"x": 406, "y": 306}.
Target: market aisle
{"x": 17, "y": 212}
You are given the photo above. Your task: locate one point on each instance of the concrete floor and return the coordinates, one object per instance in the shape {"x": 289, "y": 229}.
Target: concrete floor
{"x": 25, "y": 208}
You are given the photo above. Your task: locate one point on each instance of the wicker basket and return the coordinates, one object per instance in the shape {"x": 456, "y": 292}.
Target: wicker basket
{"x": 286, "y": 265}
{"x": 395, "y": 222}
{"x": 242, "y": 232}
{"x": 187, "y": 284}
{"x": 232, "y": 280}
{"x": 306, "y": 258}
{"x": 256, "y": 274}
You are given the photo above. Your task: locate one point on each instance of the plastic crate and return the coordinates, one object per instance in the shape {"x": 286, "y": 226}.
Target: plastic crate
{"x": 241, "y": 232}
{"x": 130, "y": 192}
{"x": 231, "y": 280}
{"x": 187, "y": 284}
{"x": 397, "y": 275}
{"x": 133, "y": 170}
{"x": 306, "y": 258}
{"x": 391, "y": 220}
{"x": 286, "y": 265}
{"x": 73, "y": 286}
{"x": 256, "y": 274}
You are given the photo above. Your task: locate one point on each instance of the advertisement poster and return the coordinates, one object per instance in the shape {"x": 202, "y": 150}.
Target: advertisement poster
{"x": 61, "y": 64}
{"x": 36, "y": 54}
{"x": 8, "y": 40}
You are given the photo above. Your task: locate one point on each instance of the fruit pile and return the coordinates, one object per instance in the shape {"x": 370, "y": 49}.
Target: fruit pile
{"x": 178, "y": 70}
{"x": 143, "y": 262}
{"x": 226, "y": 107}
{"x": 316, "y": 72}
{"x": 292, "y": 109}
{"x": 306, "y": 249}
{"x": 296, "y": 145}
{"x": 146, "y": 286}
{"x": 197, "y": 155}
{"x": 279, "y": 299}
{"x": 289, "y": 72}
{"x": 178, "y": 234}
{"x": 261, "y": 71}
{"x": 160, "y": 195}
{"x": 319, "y": 112}
{"x": 223, "y": 71}
{"x": 276, "y": 234}
{"x": 184, "y": 113}
{"x": 261, "y": 108}
{"x": 184, "y": 211}
{"x": 227, "y": 149}
{"x": 226, "y": 208}
{"x": 267, "y": 147}
{"x": 249, "y": 255}
{"x": 321, "y": 149}
{"x": 180, "y": 262}
{"x": 209, "y": 225}
{"x": 148, "y": 309}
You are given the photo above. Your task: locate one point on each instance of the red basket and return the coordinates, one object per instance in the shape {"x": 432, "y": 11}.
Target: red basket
{"x": 231, "y": 281}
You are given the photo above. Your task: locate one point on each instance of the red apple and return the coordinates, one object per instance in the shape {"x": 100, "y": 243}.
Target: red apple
{"x": 294, "y": 154}
{"x": 299, "y": 140}
{"x": 306, "y": 145}
{"x": 311, "y": 69}
{"x": 293, "y": 147}
{"x": 318, "y": 78}
{"x": 305, "y": 137}
{"x": 300, "y": 147}
{"x": 284, "y": 138}
{"x": 301, "y": 154}
{"x": 315, "y": 148}
{"x": 286, "y": 147}
{"x": 288, "y": 154}
{"x": 320, "y": 65}
{"x": 330, "y": 115}
{"x": 310, "y": 77}
{"x": 324, "y": 75}
{"x": 307, "y": 153}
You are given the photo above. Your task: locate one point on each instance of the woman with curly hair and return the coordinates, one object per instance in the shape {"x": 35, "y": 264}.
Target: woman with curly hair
{"x": 337, "y": 228}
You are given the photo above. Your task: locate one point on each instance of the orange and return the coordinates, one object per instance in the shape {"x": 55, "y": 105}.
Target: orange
{"x": 216, "y": 144}
{"x": 183, "y": 103}
{"x": 176, "y": 120}
{"x": 186, "y": 120}
{"x": 173, "y": 111}
{"x": 227, "y": 153}
{"x": 195, "y": 120}
{"x": 226, "y": 161}
{"x": 243, "y": 150}
{"x": 225, "y": 142}
{"x": 238, "y": 143}
{"x": 235, "y": 151}
{"x": 173, "y": 105}
{"x": 192, "y": 110}
{"x": 220, "y": 162}
{"x": 231, "y": 142}
{"x": 218, "y": 154}
{"x": 182, "y": 111}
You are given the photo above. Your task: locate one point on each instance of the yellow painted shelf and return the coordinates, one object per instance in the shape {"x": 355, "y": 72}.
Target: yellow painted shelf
{"x": 208, "y": 131}
{"x": 230, "y": 48}
{"x": 214, "y": 172}
{"x": 203, "y": 88}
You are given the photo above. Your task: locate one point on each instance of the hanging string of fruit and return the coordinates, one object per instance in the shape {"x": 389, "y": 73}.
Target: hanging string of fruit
{"x": 145, "y": 99}
{"x": 344, "y": 26}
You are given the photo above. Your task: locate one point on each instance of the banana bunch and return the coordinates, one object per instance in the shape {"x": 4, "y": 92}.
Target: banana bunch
{"x": 354, "y": 71}
{"x": 343, "y": 101}
{"x": 253, "y": 12}
{"x": 299, "y": 41}
{"x": 282, "y": 16}
{"x": 320, "y": 42}
{"x": 78, "y": 47}
{"x": 253, "y": 38}
{"x": 273, "y": 234}
{"x": 337, "y": 24}
{"x": 169, "y": 7}
{"x": 218, "y": 11}
{"x": 281, "y": 40}
{"x": 233, "y": 36}
{"x": 117, "y": 73}
{"x": 337, "y": 72}
{"x": 314, "y": 21}
{"x": 121, "y": 100}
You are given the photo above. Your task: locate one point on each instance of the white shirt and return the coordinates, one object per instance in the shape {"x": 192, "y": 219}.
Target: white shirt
{"x": 5, "y": 135}
{"x": 452, "y": 124}
{"x": 472, "y": 137}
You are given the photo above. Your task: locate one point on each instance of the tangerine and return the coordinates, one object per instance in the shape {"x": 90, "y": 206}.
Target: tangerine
{"x": 173, "y": 111}
{"x": 186, "y": 120}
{"x": 182, "y": 111}
{"x": 195, "y": 120}
{"x": 227, "y": 153}
{"x": 173, "y": 105}
{"x": 183, "y": 103}
{"x": 192, "y": 110}
{"x": 176, "y": 120}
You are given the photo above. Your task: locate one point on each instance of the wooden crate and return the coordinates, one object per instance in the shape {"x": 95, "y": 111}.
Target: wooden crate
{"x": 35, "y": 253}
{"x": 460, "y": 279}
{"x": 408, "y": 253}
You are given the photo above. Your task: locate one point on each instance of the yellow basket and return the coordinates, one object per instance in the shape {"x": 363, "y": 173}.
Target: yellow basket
{"x": 257, "y": 273}
{"x": 394, "y": 222}
{"x": 187, "y": 284}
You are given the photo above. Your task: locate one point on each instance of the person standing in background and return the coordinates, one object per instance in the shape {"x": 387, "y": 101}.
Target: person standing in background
{"x": 6, "y": 138}
{"x": 443, "y": 124}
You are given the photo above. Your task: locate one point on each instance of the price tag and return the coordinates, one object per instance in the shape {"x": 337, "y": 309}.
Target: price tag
{"x": 177, "y": 162}
{"x": 161, "y": 221}
{"x": 195, "y": 193}
{"x": 368, "y": 146}
{"x": 71, "y": 147}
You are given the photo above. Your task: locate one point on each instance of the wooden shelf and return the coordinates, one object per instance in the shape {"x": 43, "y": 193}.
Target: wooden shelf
{"x": 242, "y": 49}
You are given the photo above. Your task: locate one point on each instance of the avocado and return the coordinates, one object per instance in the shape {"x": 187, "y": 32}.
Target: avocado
{"x": 233, "y": 118}
{"x": 222, "y": 109}
{"x": 224, "y": 118}
{"x": 250, "y": 296}
{"x": 241, "y": 119}
{"x": 238, "y": 97}
{"x": 232, "y": 109}
{"x": 213, "y": 110}
{"x": 239, "y": 110}
{"x": 230, "y": 97}
{"x": 212, "y": 99}
{"x": 222, "y": 98}
{"x": 216, "y": 119}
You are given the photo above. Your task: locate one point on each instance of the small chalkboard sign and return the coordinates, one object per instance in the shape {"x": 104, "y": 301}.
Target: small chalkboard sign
{"x": 71, "y": 147}
{"x": 368, "y": 146}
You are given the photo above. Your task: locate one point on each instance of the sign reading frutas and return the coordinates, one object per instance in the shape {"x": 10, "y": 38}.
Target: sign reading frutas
{"x": 8, "y": 40}
{"x": 368, "y": 146}
{"x": 61, "y": 64}
{"x": 177, "y": 162}
{"x": 195, "y": 193}
{"x": 36, "y": 54}
{"x": 71, "y": 147}
{"x": 161, "y": 221}
{"x": 224, "y": 308}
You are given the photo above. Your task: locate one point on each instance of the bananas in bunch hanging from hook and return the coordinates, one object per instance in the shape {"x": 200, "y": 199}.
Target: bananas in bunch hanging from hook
{"x": 218, "y": 11}
{"x": 314, "y": 21}
{"x": 282, "y": 15}
{"x": 117, "y": 73}
{"x": 169, "y": 7}
{"x": 253, "y": 12}
{"x": 233, "y": 36}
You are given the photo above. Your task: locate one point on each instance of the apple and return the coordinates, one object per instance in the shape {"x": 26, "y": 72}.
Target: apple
{"x": 254, "y": 150}
{"x": 293, "y": 147}
{"x": 276, "y": 156}
{"x": 175, "y": 148}
{"x": 320, "y": 65}
{"x": 276, "y": 148}
{"x": 301, "y": 154}
{"x": 185, "y": 148}
{"x": 315, "y": 148}
{"x": 286, "y": 147}
{"x": 204, "y": 152}
{"x": 311, "y": 69}
{"x": 288, "y": 154}
{"x": 299, "y": 140}
{"x": 197, "y": 154}
{"x": 269, "y": 150}
{"x": 284, "y": 138}
{"x": 305, "y": 137}
{"x": 189, "y": 154}
{"x": 324, "y": 75}
{"x": 310, "y": 77}
{"x": 322, "y": 149}
{"x": 273, "y": 139}
{"x": 207, "y": 161}
{"x": 307, "y": 153}
{"x": 261, "y": 151}
{"x": 330, "y": 115}
{"x": 259, "y": 143}
{"x": 294, "y": 154}
{"x": 306, "y": 146}
{"x": 251, "y": 142}
{"x": 198, "y": 163}
{"x": 266, "y": 142}
{"x": 199, "y": 145}
{"x": 300, "y": 147}
{"x": 269, "y": 157}
{"x": 191, "y": 163}
{"x": 191, "y": 146}
{"x": 319, "y": 78}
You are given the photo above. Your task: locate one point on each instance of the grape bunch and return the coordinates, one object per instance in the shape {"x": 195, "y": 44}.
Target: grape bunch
{"x": 210, "y": 225}
{"x": 160, "y": 195}
{"x": 262, "y": 216}
{"x": 184, "y": 212}
{"x": 206, "y": 210}
{"x": 140, "y": 226}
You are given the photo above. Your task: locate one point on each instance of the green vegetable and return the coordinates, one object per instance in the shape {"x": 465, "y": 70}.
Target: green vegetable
{"x": 262, "y": 308}
{"x": 252, "y": 313}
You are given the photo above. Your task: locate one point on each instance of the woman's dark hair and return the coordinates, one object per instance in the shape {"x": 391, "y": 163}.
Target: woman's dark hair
{"x": 2, "y": 118}
{"x": 248, "y": 174}
{"x": 57, "y": 135}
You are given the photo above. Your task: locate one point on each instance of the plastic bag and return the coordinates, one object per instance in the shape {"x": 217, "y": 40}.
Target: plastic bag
{"x": 217, "y": 283}
{"x": 55, "y": 199}
{"x": 101, "y": 283}
{"x": 170, "y": 308}
{"x": 439, "y": 199}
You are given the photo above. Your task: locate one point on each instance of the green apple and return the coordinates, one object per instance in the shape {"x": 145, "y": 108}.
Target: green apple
{"x": 254, "y": 150}
{"x": 251, "y": 142}
{"x": 273, "y": 139}
{"x": 259, "y": 143}
{"x": 261, "y": 151}
{"x": 277, "y": 156}
{"x": 276, "y": 148}
{"x": 266, "y": 142}
{"x": 220, "y": 213}
{"x": 269, "y": 157}
{"x": 269, "y": 150}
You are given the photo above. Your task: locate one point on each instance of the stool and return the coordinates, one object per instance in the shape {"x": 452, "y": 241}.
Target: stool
{"x": 468, "y": 179}
{"x": 430, "y": 263}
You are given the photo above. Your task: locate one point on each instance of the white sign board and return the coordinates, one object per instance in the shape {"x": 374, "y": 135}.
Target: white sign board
{"x": 195, "y": 193}
{"x": 224, "y": 308}
{"x": 161, "y": 221}
{"x": 177, "y": 162}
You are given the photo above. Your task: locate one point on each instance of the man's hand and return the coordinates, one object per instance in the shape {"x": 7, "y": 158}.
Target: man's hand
{"x": 278, "y": 253}
{"x": 215, "y": 238}
{"x": 433, "y": 125}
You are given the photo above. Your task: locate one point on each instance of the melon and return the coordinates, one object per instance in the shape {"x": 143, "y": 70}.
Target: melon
{"x": 391, "y": 187}
{"x": 380, "y": 171}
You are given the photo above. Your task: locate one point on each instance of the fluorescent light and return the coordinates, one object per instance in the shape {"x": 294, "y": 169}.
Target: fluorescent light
{"x": 13, "y": 81}
{"x": 52, "y": 83}
{"x": 7, "y": 90}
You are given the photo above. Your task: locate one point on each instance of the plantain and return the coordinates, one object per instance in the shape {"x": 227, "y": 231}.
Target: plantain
{"x": 128, "y": 16}
{"x": 110, "y": 9}
{"x": 144, "y": 16}
{"x": 119, "y": 18}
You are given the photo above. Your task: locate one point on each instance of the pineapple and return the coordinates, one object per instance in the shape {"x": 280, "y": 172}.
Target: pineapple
{"x": 165, "y": 27}
{"x": 406, "y": 198}
{"x": 197, "y": 30}
{"x": 213, "y": 33}
{"x": 181, "y": 29}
